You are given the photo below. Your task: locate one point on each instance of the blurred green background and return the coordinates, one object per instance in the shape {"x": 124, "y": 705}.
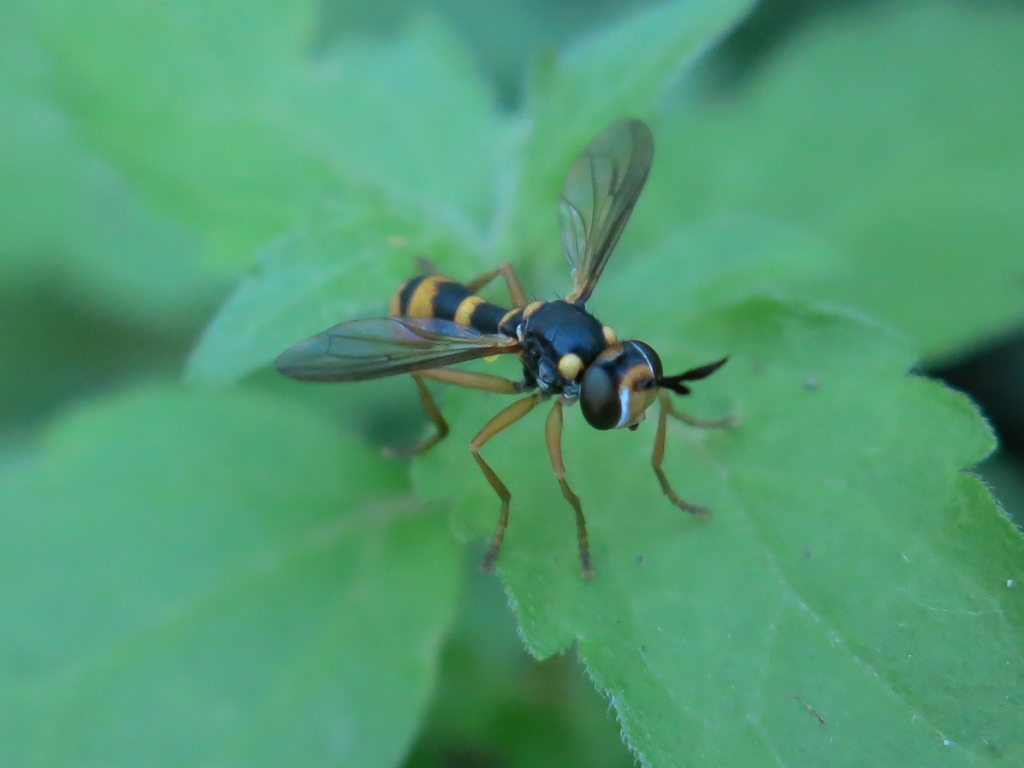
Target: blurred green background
{"x": 109, "y": 274}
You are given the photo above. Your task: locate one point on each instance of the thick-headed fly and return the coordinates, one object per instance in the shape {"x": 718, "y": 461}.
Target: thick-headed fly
{"x": 567, "y": 354}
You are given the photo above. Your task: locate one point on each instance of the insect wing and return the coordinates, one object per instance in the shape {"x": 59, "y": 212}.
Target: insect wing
{"x": 377, "y": 347}
{"x": 600, "y": 190}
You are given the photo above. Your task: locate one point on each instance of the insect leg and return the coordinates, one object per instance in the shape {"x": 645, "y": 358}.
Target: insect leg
{"x": 728, "y": 421}
{"x": 473, "y": 380}
{"x": 433, "y": 413}
{"x": 664, "y": 411}
{"x": 515, "y": 288}
{"x": 469, "y": 379}
{"x": 553, "y": 437}
{"x": 425, "y": 266}
{"x": 503, "y": 419}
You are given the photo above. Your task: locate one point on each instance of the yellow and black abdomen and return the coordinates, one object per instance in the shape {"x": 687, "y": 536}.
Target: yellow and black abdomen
{"x": 446, "y": 299}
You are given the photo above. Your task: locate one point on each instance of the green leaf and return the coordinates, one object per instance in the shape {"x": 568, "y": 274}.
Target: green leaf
{"x": 711, "y": 263}
{"x": 614, "y": 73}
{"x": 894, "y": 133}
{"x": 212, "y": 579}
{"x": 193, "y": 104}
{"x": 70, "y": 219}
{"x": 417, "y": 122}
{"x": 497, "y": 703}
{"x": 224, "y": 115}
{"x": 33, "y": 141}
{"x": 853, "y": 599}
{"x": 56, "y": 349}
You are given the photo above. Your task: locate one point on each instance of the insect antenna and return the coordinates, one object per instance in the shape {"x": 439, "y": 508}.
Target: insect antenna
{"x": 675, "y": 383}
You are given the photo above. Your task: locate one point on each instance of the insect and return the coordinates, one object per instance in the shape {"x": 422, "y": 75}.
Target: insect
{"x": 566, "y": 353}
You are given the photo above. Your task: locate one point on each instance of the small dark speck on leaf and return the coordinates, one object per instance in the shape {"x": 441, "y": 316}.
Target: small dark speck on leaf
{"x": 806, "y": 551}
{"x": 639, "y": 559}
{"x": 811, "y": 384}
{"x": 811, "y": 710}
{"x": 756, "y": 366}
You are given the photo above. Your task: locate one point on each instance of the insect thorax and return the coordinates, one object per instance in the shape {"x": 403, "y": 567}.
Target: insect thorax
{"x": 549, "y": 333}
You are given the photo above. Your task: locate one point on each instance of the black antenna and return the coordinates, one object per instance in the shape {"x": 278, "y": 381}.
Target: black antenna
{"x": 675, "y": 383}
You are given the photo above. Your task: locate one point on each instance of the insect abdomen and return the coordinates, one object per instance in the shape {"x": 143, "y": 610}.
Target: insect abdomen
{"x": 445, "y": 299}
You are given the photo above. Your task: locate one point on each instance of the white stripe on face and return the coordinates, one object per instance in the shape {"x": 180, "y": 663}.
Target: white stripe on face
{"x": 624, "y": 395}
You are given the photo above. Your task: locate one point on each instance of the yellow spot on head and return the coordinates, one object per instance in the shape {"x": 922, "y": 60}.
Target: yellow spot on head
{"x": 609, "y": 335}
{"x": 570, "y": 367}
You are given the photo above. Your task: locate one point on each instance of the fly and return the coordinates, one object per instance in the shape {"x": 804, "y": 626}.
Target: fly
{"x": 566, "y": 353}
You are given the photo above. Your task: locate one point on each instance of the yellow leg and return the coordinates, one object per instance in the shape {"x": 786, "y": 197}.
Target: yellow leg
{"x": 665, "y": 410}
{"x": 515, "y": 288}
{"x": 505, "y": 418}
{"x": 425, "y": 266}
{"x": 433, "y": 413}
{"x": 553, "y": 437}
{"x": 473, "y": 380}
{"x": 728, "y": 421}
{"x": 468, "y": 379}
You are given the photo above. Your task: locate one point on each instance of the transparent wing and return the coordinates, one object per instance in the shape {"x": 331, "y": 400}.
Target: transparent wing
{"x": 385, "y": 346}
{"x": 600, "y": 190}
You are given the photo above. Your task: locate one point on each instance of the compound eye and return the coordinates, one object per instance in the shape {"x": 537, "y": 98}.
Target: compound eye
{"x": 599, "y": 397}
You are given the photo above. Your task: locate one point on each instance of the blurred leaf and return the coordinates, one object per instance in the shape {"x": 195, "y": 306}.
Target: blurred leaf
{"x": 848, "y": 601}
{"x": 496, "y": 705}
{"x": 895, "y": 133}
{"x": 69, "y": 218}
{"x": 711, "y": 263}
{"x": 500, "y": 35}
{"x": 57, "y": 350}
{"x": 614, "y": 73}
{"x": 196, "y": 102}
{"x": 34, "y": 142}
{"x": 417, "y": 122}
{"x": 222, "y": 113}
{"x": 198, "y": 579}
